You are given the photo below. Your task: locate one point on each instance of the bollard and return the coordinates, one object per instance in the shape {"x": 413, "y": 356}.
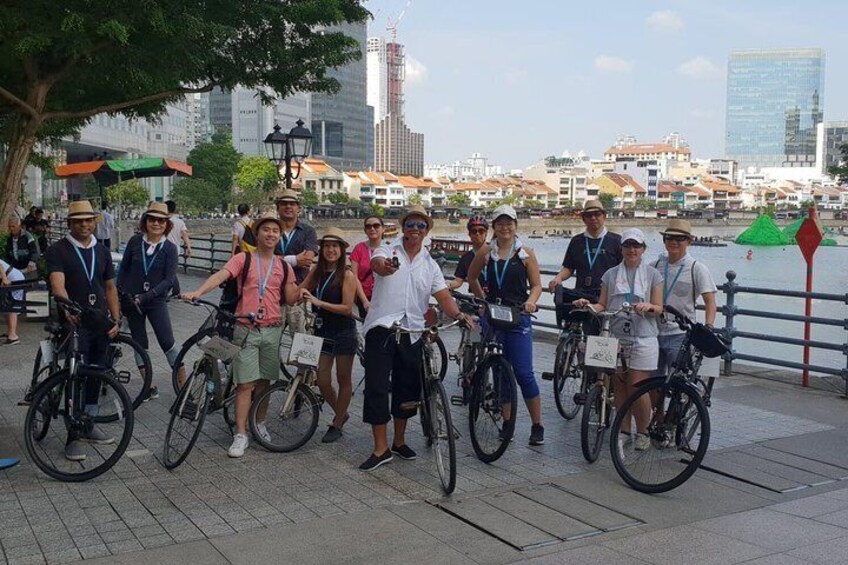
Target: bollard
{"x": 729, "y": 312}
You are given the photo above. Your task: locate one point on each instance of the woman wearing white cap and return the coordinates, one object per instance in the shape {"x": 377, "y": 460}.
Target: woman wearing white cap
{"x": 514, "y": 280}
{"x": 635, "y": 282}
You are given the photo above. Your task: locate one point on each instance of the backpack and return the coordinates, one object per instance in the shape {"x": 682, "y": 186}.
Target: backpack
{"x": 248, "y": 241}
{"x": 231, "y": 294}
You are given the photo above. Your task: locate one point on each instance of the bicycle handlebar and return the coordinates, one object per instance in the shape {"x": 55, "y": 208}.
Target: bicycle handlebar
{"x": 72, "y": 307}
{"x": 397, "y": 328}
{"x": 682, "y": 320}
{"x": 626, "y": 308}
{"x": 250, "y": 316}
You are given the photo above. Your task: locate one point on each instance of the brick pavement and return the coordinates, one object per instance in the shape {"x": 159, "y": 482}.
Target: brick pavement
{"x": 139, "y": 504}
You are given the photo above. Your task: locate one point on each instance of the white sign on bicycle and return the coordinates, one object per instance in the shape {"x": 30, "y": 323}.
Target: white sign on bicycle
{"x": 306, "y": 350}
{"x": 601, "y": 352}
{"x": 219, "y": 348}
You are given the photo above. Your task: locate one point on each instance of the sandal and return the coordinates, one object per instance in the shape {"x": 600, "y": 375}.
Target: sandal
{"x": 10, "y": 341}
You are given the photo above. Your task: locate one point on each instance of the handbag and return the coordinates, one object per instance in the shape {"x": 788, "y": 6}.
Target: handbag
{"x": 504, "y": 317}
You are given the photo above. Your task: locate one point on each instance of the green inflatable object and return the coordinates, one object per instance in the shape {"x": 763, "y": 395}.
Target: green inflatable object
{"x": 791, "y": 231}
{"x": 764, "y": 232}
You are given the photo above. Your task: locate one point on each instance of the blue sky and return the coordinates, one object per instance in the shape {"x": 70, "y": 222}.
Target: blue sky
{"x": 520, "y": 80}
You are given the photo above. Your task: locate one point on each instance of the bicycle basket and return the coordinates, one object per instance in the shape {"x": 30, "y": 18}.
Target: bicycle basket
{"x": 707, "y": 341}
{"x": 503, "y": 317}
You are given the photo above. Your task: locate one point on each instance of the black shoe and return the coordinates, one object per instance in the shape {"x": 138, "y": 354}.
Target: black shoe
{"x": 376, "y": 460}
{"x": 404, "y": 452}
{"x": 152, "y": 393}
{"x": 333, "y": 434}
{"x": 507, "y": 431}
{"x": 537, "y": 435}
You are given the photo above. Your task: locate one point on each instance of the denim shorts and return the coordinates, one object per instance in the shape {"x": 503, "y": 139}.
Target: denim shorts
{"x": 338, "y": 341}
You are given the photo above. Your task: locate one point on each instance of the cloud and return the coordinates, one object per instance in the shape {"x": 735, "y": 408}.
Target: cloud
{"x": 699, "y": 68}
{"x": 416, "y": 71}
{"x": 665, "y": 20}
{"x": 612, "y": 64}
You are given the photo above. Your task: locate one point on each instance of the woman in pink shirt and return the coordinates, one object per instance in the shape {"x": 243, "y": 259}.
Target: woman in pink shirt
{"x": 360, "y": 261}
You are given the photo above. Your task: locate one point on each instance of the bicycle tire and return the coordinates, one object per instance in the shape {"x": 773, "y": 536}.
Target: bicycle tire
{"x": 138, "y": 388}
{"x": 187, "y": 356}
{"x": 188, "y": 412}
{"x": 48, "y": 453}
{"x": 228, "y": 405}
{"x": 287, "y": 370}
{"x": 442, "y": 435}
{"x": 592, "y": 429}
{"x": 566, "y": 384}
{"x": 490, "y": 444}
{"x": 443, "y": 357}
{"x": 289, "y": 428}
{"x": 669, "y": 454}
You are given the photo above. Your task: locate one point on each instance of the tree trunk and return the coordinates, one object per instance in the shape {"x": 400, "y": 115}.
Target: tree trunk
{"x": 17, "y": 157}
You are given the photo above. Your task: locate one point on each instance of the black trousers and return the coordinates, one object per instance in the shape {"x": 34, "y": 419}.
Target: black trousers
{"x": 385, "y": 360}
{"x": 157, "y": 313}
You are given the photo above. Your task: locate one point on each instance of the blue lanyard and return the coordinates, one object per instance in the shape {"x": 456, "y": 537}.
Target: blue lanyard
{"x": 667, "y": 289}
{"x": 324, "y": 286}
{"x": 592, "y": 259}
{"x": 152, "y": 260}
{"x": 263, "y": 283}
{"x": 287, "y": 239}
{"x": 499, "y": 277}
{"x": 88, "y": 275}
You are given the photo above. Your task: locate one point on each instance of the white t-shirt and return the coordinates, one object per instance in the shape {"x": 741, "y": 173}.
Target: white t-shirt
{"x": 176, "y": 234}
{"x": 106, "y": 226}
{"x": 407, "y": 292}
{"x": 14, "y": 275}
{"x": 693, "y": 278}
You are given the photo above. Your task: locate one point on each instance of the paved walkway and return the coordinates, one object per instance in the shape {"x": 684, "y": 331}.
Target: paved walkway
{"x": 314, "y": 505}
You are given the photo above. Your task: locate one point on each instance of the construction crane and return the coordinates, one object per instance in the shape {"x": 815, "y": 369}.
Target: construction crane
{"x": 392, "y": 25}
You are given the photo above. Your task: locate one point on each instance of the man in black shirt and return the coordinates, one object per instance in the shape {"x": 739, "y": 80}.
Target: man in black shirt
{"x": 591, "y": 253}
{"x": 81, "y": 270}
{"x": 298, "y": 247}
{"x": 478, "y": 229}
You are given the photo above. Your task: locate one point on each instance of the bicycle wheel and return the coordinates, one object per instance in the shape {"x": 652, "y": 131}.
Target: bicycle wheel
{"x": 61, "y": 410}
{"x": 568, "y": 378}
{"x": 290, "y": 419}
{"x": 440, "y": 357}
{"x": 493, "y": 408}
{"x": 188, "y": 413}
{"x": 593, "y": 426}
{"x": 289, "y": 371}
{"x": 442, "y": 435}
{"x": 130, "y": 365}
{"x": 228, "y": 406}
{"x": 669, "y": 458}
{"x": 192, "y": 356}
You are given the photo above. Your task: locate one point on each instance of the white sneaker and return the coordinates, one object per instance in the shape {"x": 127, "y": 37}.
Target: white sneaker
{"x": 240, "y": 443}
{"x": 624, "y": 440}
{"x": 642, "y": 443}
{"x": 263, "y": 432}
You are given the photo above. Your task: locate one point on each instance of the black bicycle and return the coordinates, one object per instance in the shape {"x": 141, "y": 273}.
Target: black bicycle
{"x": 93, "y": 406}
{"x": 679, "y": 425}
{"x": 488, "y": 384}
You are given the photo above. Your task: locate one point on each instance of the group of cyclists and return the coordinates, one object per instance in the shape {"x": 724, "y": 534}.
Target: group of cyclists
{"x": 279, "y": 263}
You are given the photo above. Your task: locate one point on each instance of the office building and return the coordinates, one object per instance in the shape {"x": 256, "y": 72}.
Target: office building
{"x": 775, "y": 100}
{"x": 835, "y": 136}
{"x": 397, "y": 149}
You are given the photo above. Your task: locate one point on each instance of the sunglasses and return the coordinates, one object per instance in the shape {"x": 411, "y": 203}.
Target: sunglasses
{"x": 592, "y": 214}
{"x": 288, "y": 203}
{"x": 677, "y": 238}
{"x": 415, "y": 225}
{"x": 478, "y": 231}
{"x": 630, "y": 244}
{"x": 373, "y": 226}
{"x": 153, "y": 220}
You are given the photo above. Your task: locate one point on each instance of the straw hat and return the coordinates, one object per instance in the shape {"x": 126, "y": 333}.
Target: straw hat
{"x": 333, "y": 234}
{"x": 288, "y": 196}
{"x": 266, "y": 217}
{"x": 593, "y": 206}
{"x": 81, "y": 210}
{"x": 416, "y": 210}
{"x": 156, "y": 210}
{"x": 678, "y": 227}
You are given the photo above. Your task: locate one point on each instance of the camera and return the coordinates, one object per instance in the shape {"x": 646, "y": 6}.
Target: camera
{"x": 395, "y": 262}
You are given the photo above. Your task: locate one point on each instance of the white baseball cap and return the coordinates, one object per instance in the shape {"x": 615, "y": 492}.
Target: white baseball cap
{"x": 633, "y": 233}
{"x": 504, "y": 210}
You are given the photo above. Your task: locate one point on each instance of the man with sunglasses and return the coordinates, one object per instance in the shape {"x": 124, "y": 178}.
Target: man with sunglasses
{"x": 298, "y": 246}
{"x": 684, "y": 281}
{"x": 478, "y": 229}
{"x": 405, "y": 277}
{"x": 590, "y": 254}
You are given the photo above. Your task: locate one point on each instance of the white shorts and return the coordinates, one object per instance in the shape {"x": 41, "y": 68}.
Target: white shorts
{"x": 644, "y": 352}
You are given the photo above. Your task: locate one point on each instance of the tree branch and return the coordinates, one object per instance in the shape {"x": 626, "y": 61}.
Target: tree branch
{"x": 19, "y": 103}
{"x": 109, "y": 108}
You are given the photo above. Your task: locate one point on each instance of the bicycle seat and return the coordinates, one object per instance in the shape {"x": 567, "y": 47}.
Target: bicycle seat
{"x": 53, "y": 327}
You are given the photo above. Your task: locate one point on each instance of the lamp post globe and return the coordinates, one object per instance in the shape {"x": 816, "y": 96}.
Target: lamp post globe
{"x": 275, "y": 146}
{"x": 300, "y": 141}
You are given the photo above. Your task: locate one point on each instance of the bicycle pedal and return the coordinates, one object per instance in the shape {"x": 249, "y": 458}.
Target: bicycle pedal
{"x": 123, "y": 377}
{"x": 547, "y": 376}
{"x": 456, "y": 400}
{"x": 580, "y": 399}
{"x": 453, "y": 356}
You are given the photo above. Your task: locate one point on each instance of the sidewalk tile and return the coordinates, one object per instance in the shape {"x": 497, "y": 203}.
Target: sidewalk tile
{"x": 829, "y": 552}
{"x": 588, "y": 555}
{"x": 775, "y": 531}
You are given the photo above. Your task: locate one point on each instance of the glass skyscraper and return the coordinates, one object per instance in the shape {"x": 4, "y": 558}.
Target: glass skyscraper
{"x": 775, "y": 99}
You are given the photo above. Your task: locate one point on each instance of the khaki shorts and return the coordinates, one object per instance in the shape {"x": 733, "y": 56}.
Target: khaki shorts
{"x": 260, "y": 357}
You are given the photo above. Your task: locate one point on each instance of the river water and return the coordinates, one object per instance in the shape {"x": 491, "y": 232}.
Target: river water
{"x": 771, "y": 267}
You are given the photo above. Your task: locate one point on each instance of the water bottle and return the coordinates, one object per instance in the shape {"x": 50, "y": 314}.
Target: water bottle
{"x": 210, "y": 386}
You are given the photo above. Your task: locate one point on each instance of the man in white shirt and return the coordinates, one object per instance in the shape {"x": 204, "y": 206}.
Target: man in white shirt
{"x": 684, "y": 280}
{"x": 405, "y": 276}
{"x": 241, "y": 225}
{"x": 105, "y": 228}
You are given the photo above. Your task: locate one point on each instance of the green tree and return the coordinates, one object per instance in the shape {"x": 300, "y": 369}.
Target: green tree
{"x": 60, "y": 67}
{"x": 607, "y": 200}
{"x": 257, "y": 180}
{"x": 338, "y": 198}
{"x": 534, "y": 204}
{"x": 217, "y": 163}
{"x": 415, "y": 199}
{"x": 840, "y": 171}
{"x": 377, "y": 210}
{"x": 130, "y": 193}
{"x": 308, "y": 197}
{"x": 459, "y": 200}
{"x": 195, "y": 195}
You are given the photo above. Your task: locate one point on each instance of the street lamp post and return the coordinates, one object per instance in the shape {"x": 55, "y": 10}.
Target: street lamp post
{"x": 282, "y": 148}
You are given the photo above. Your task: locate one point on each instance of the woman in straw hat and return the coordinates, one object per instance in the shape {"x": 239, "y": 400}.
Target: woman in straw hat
{"x": 331, "y": 289}
{"x": 146, "y": 276}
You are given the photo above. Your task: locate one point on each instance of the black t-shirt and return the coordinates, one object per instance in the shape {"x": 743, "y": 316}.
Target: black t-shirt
{"x": 513, "y": 291}
{"x": 61, "y": 257}
{"x": 577, "y": 260}
{"x": 462, "y": 269}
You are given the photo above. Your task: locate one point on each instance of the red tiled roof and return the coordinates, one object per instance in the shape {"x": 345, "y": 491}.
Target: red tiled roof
{"x": 646, "y": 148}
